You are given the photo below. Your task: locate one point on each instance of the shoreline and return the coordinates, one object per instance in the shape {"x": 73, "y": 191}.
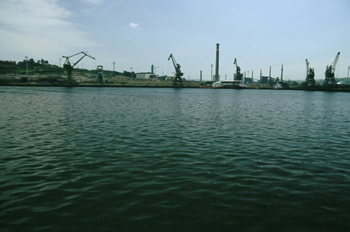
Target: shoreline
{"x": 192, "y": 86}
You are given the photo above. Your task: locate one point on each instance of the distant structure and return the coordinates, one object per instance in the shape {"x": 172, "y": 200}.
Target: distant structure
{"x": 145, "y": 75}
{"x": 329, "y": 74}
{"x": 99, "y": 76}
{"x": 238, "y": 76}
{"x": 282, "y": 73}
{"x": 310, "y": 75}
{"x": 217, "y": 77}
{"x": 263, "y": 79}
{"x": 178, "y": 74}
{"x": 249, "y": 79}
{"x": 69, "y": 67}
{"x": 154, "y": 69}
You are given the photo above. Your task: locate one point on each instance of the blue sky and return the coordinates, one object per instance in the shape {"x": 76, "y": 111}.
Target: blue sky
{"x": 136, "y": 34}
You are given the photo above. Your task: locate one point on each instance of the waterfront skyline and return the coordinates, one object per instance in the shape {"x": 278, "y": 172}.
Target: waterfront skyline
{"x": 137, "y": 34}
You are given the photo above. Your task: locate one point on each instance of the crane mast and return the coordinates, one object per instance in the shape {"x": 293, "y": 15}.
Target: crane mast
{"x": 238, "y": 76}
{"x": 178, "y": 73}
{"x": 330, "y": 70}
{"x": 310, "y": 74}
{"x": 69, "y": 67}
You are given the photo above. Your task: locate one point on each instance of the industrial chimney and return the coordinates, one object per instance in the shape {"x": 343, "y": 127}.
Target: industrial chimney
{"x": 217, "y": 63}
{"x": 282, "y": 73}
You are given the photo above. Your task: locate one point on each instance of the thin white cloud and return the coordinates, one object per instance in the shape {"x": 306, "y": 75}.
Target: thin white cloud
{"x": 94, "y": 2}
{"x": 38, "y": 29}
{"x": 133, "y": 25}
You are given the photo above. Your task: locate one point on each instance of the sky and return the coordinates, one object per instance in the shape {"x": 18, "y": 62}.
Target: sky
{"x": 136, "y": 34}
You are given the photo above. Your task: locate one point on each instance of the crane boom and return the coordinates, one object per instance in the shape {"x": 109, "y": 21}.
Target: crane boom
{"x": 69, "y": 67}
{"x": 310, "y": 74}
{"x": 334, "y": 64}
{"x": 173, "y": 60}
{"x": 178, "y": 73}
{"x": 71, "y": 55}
{"x": 238, "y": 76}
{"x": 82, "y": 58}
{"x": 330, "y": 70}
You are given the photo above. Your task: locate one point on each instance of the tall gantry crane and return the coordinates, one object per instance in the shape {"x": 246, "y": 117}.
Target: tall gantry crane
{"x": 178, "y": 73}
{"x": 69, "y": 67}
{"x": 310, "y": 74}
{"x": 329, "y": 74}
{"x": 238, "y": 76}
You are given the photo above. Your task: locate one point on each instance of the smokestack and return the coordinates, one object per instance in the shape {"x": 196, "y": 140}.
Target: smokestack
{"x": 217, "y": 63}
{"x": 152, "y": 68}
{"x": 270, "y": 72}
{"x": 282, "y": 73}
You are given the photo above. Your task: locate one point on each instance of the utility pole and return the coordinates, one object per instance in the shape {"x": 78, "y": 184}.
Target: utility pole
{"x": 155, "y": 69}
{"x": 26, "y": 64}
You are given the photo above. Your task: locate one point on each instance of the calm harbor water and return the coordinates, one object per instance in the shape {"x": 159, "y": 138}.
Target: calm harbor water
{"x": 143, "y": 159}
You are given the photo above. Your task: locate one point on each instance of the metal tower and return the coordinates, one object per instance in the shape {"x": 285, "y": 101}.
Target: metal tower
{"x": 99, "y": 76}
{"x": 69, "y": 67}
{"x": 310, "y": 74}
{"x": 329, "y": 74}
{"x": 178, "y": 73}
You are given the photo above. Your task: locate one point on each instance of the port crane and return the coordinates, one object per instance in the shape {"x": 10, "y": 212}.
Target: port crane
{"x": 238, "y": 76}
{"x": 178, "y": 73}
{"x": 310, "y": 74}
{"x": 329, "y": 74}
{"x": 69, "y": 67}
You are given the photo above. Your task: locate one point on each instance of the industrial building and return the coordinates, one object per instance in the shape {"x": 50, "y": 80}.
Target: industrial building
{"x": 248, "y": 80}
{"x": 146, "y": 75}
{"x": 264, "y": 79}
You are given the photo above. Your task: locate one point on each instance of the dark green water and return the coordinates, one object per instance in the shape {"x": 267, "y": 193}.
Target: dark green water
{"x": 138, "y": 159}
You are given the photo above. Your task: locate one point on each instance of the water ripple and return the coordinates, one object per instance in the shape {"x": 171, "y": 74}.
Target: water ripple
{"x": 94, "y": 159}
